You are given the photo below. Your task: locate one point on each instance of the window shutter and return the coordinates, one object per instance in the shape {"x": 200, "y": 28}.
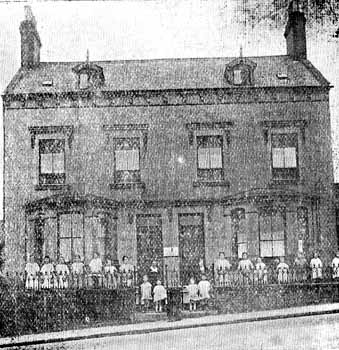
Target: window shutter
{"x": 121, "y": 160}
{"x": 290, "y": 157}
{"x": 278, "y": 157}
{"x": 46, "y": 163}
{"x": 216, "y": 158}
{"x": 203, "y": 158}
{"x": 133, "y": 160}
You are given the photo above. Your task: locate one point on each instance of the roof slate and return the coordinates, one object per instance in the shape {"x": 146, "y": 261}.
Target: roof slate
{"x": 166, "y": 74}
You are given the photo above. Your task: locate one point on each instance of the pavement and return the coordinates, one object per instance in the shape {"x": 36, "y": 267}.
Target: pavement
{"x": 164, "y": 325}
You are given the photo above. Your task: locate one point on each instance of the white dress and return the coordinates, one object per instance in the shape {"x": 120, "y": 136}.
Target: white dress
{"x": 316, "y": 266}
{"x": 204, "y": 289}
{"x": 62, "y": 273}
{"x": 261, "y": 272}
{"x": 32, "y": 278}
{"x": 221, "y": 267}
{"x": 95, "y": 266}
{"x": 77, "y": 268}
{"x": 146, "y": 292}
{"x": 159, "y": 293}
{"x": 193, "y": 292}
{"x": 282, "y": 270}
{"x": 335, "y": 267}
{"x": 47, "y": 271}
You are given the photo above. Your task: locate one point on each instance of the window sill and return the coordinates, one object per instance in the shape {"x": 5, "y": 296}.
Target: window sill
{"x": 127, "y": 186}
{"x": 211, "y": 184}
{"x": 51, "y": 187}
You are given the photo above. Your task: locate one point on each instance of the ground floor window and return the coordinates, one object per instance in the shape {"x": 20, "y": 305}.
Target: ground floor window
{"x": 70, "y": 234}
{"x": 272, "y": 234}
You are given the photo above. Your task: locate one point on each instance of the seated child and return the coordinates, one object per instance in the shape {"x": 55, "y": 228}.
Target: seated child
{"x": 193, "y": 294}
{"x": 146, "y": 293}
{"x": 47, "y": 272}
{"x": 62, "y": 272}
{"x": 204, "y": 288}
{"x": 282, "y": 269}
{"x": 95, "y": 267}
{"x": 111, "y": 273}
{"x": 159, "y": 296}
{"x": 260, "y": 271}
{"x": 32, "y": 270}
{"x": 77, "y": 269}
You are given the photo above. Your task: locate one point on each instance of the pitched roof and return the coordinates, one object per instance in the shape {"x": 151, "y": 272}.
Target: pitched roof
{"x": 163, "y": 74}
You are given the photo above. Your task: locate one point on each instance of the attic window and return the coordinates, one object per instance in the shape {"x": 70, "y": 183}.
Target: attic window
{"x": 89, "y": 75}
{"x": 240, "y": 72}
{"x": 83, "y": 81}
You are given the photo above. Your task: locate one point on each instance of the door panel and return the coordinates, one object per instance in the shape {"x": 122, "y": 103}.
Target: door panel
{"x": 191, "y": 245}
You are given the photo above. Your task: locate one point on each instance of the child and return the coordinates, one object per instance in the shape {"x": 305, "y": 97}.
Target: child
{"x": 260, "y": 271}
{"x": 146, "y": 292}
{"x": 204, "y": 288}
{"x": 62, "y": 273}
{"x": 32, "y": 270}
{"x": 111, "y": 274}
{"x": 159, "y": 296}
{"x": 335, "y": 266}
{"x": 95, "y": 267}
{"x": 282, "y": 269}
{"x": 221, "y": 267}
{"x": 193, "y": 294}
{"x": 316, "y": 266}
{"x": 47, "y": 271}
{"x": 77, "y": 271}
{"x": 126, "y": 269}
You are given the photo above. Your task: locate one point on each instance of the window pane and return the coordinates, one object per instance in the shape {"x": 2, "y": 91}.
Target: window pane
{"x": 290, "y": 157}
{"x": 215, "y": 158}
{"x": 237, "y": 76}
{"x": 65, "y": 248}
{"x": 203, "y": 158}
{"x": 133, "y": 159}
{"x": 77, "y": 225}
{"x": 121, "y": 160}
{"x": 278, "y": 248}
{"x": 266, "y": 249}
{"x": 242, "y": 238}
{"x": 278, "y": 157}
{"x": 65, "y": 222}
{"x": 77, "y": 247}
{"x": 83, "y": 81}
{"x": 58, "y": 163}
{"x": 46, "y": 163}
{"x": 265, "y": 228}
{"x": 242, "y": 248}
{"x": 88, "y": 238}
{"x": 50, "y": 238}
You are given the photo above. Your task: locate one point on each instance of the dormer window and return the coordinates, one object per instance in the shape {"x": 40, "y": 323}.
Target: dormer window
{"x": 240, "y": 72}
{"x": 89, "y": 75}
{"x": 83, "y": 81}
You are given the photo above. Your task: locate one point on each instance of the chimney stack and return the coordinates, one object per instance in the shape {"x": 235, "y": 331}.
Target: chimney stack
{"x": 295, "y": 32}
{"x": 30, "y": 40}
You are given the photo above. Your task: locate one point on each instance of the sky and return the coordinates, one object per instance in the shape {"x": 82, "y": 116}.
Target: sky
{"x": 144, "y": 29}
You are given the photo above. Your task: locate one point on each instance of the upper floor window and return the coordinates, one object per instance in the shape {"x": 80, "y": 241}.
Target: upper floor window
{"x": 51, "y": 161}
{"x": 210, "y": 159}
{"x": 284, "y": 156}
{"x": 127, "y": 160}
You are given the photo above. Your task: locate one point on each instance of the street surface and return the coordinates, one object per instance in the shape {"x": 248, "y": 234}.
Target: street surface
{"x": 313, "y": 332}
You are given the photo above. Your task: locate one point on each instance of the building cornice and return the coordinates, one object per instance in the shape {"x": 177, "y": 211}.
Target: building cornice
{"x": 220, "y": 96}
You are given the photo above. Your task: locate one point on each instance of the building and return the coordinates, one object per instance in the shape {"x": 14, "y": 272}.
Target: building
{"x": 171, "y": 160}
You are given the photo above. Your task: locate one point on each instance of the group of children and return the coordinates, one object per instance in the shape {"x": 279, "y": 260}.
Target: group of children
{"x": 196, "y": 293}
{"x": 259, "y": 270}
{"x": 58, "y": 275}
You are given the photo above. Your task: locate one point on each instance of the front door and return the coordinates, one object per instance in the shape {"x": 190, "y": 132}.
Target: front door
{"x": 191, "y": 245}
{"x": 149, "y": 243}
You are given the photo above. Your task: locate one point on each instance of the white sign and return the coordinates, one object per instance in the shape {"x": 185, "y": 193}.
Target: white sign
{"x": 171, "y": 251}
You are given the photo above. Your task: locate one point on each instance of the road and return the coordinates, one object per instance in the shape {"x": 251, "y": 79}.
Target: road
{"x": 315, "y": 332}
